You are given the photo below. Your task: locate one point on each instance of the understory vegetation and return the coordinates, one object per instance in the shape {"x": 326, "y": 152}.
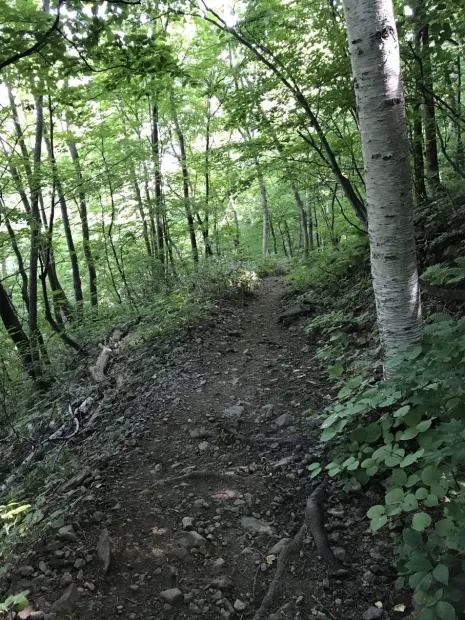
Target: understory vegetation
{"x": 157, "y": 158}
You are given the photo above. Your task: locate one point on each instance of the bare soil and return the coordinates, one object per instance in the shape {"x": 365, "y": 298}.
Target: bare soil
{"x": 234, "y": 400}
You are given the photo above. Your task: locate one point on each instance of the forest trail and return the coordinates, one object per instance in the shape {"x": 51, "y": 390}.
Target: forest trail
{"x": 205, "y": 546}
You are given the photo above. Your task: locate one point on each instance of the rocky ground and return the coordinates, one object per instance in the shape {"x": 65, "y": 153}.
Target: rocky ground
{"x": 186, "y": 512}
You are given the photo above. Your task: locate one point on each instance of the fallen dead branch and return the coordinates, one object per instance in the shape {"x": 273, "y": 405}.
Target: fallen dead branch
{"x": 313, "y": 523}
{"x": 63, "y": 433}
{"x": 98, "y": 371}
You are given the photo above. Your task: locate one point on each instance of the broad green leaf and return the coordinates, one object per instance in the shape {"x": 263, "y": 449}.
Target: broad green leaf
{"x": 412, "y": 537}
{"x": 441, "y": 574}
{"x": 378, "y": 522}
{"x": 402, "y": 411}
{"x": 394, "y": 496}
{"x": 375, "y": 511}
{"x": 445, "y": 611}
{"x": 421, "y": 521}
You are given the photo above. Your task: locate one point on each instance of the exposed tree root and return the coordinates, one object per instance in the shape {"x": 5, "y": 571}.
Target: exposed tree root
{"x": 313, "y": 522}
{"x": 198, "y": 474}
{"x": 262, "y": 439}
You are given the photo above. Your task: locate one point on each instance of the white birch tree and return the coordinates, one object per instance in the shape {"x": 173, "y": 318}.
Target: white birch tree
{"x": 375, "y": 58}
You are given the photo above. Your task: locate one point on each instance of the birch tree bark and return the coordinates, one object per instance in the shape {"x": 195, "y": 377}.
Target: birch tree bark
{"x": 375, "y": 58}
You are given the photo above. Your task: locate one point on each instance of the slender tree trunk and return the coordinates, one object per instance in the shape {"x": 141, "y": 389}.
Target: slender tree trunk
{"x": 429, "y": 110}
{"x": 288, "y": 237}
{"x": 418, "y": 160}
{"x": 283, "y": 241}
{"x": 58, "y": 329}
{"x": 205, "y": 231}
{"x": 265, "y": 209}
{"x": 309, "y": 219}
{"x": 295, "y": 191}
{"x": 77, "y": 285}
{"x": 17, "y": 334}
{"x": 118, "y": 263}
{"x": 273, "y": 236}
{"x": 92, "y": 273}
{"x": 140, "y": 206}
{"x": 18, "y": 255}
{"x": 35, "y": 227}
{"x": 185, "y": 181}
{"x": 460, "y": 152}
{"x": 375, "y": 59}
{"x": 232, "y": 204}
{"x": 160, "y": 241}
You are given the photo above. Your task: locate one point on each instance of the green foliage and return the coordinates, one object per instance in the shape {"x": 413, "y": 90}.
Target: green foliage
{"x": 410, "y": 430}
{"x": 328, "y": 265}
{"x": 445, "y": 274}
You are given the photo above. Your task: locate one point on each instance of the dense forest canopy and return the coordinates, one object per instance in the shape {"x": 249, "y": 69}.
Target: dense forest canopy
{"x": 153, "y": 154}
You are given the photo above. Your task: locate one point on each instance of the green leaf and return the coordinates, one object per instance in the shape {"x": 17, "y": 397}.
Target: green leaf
{"x": 419, "y": 563}
{"x": 375, "y": 511}
{"x": 431, "y": 500}
{"x": 399, "y": 477}
{"x": 410, "y": 433}
{"x": 412, "y": 458}
{"x": 399, "y": 583}
{"x": 429, "y": 475}
{"x": 412, "y": 480}
{"x": 412, "y": 537}
{"x": 394, "y": 496}
{"x": 410, "y": 503}
{"x": 378, "y": 522}
{"x": 421, "y": 493}
{"x": 330, "y": 420}
{"x": 315, "y": 473}
{"x": 328, "y": 434}
{"x": 334, "y": 372}
{"x": 373, "y": 433}
{"x": 441, "y": 574}
{"x": 402, "y": 411}
{"x": 421, "y": 521}
{"x": 445, "y": 611}
{"x": 444, "y": 527}
{"x": 313, "y": 466}
{"x": 424, "y": 426}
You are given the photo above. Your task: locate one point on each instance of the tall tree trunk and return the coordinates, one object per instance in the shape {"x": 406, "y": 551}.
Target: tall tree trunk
{"x": 160, "y": 241}
{"x": 205, "y": 231}
{"x": 17, "y": 334}
{"x": 35, "y": 227}
{"x": 265, "y": 209}
{"x": 185, "y": 181}
{"x": 295, "y": 191}
{"x": 309, "y": 218}
{"x": 140, "y": 206}
{"x": 77, "y": 285}
{"x": 375, "y": 59}
{"x": 84, "y": 223}
{"x": 418, "y": 159}
{"x": 429, "y": 108}
{"x": 273, "y": 235}
{"x": 17, "y": 252}
{"x": 232, "y": 204}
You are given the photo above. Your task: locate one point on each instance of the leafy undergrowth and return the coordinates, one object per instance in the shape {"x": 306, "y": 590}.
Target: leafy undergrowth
{"x": 406, "y": 433}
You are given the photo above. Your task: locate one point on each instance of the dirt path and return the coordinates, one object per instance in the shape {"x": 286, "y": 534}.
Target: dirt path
{"x": 202, "y": 404}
